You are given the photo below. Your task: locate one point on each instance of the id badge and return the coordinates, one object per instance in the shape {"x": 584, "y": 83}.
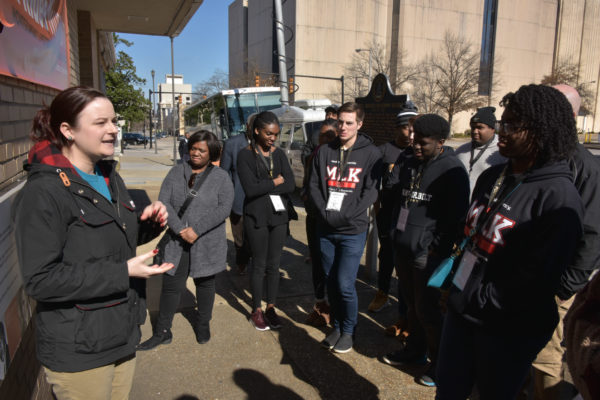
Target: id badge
{"x": 464, "y": 269}
{"x": 402, "y": 218}
{"x": 335, "y": 200}
{"x": 277, "y": 203}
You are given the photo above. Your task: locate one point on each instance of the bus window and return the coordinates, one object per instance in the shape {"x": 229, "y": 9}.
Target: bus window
{"x": 268, "y": 101}
{"x": 283, "y": 141}
{"x": 297, "y": 138}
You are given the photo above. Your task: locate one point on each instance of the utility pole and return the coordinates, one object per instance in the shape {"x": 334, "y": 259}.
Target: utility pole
{"x": 283, "y": 80}
{"x": 173, "y": 104}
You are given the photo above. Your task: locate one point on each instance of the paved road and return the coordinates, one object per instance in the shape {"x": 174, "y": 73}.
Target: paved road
{"x": 242, "y": 363}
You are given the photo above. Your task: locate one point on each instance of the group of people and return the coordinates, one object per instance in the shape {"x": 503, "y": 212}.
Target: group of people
{"x": 511, "y": 213}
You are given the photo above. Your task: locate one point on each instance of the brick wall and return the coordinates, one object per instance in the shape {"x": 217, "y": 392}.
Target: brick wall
{"x": 19, "y": 101}
{"x": 25, "y": 378}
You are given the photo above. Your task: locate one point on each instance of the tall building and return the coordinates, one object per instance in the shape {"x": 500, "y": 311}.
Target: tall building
{"x": 165, "y": 101}
{"x": 519, "y": 42}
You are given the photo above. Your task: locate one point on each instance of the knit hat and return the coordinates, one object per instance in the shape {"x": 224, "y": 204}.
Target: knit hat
{"x": 486, "y": 116}
{"x": 408, "y": 111}
{"x": 432, "y": 125}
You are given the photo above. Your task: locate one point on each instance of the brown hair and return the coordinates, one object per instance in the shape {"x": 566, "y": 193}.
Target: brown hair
{"x": 352, "y": 107}
{"x": 66, "y": 107}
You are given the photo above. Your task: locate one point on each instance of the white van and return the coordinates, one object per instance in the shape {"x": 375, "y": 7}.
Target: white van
{"x": 299, "y": 131}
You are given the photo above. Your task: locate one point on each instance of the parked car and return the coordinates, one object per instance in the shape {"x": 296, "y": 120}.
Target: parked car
{"x": 134, "y": 138}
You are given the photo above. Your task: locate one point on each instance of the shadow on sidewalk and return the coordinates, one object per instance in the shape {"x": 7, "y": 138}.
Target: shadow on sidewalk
{"x": 259, "y": 387}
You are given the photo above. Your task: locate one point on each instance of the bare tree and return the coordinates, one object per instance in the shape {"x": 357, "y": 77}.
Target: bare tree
{"x": 448, "y": 79}
{"x": 357, "y": 72}
{"x": 218, "y": 81}
{"x": 569, "y": 73}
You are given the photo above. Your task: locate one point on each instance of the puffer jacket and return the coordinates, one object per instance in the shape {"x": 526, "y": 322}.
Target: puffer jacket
{"x": 73, "y": 245}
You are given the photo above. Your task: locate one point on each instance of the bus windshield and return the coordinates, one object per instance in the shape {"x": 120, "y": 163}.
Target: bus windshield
{"x": 226, "y": 112}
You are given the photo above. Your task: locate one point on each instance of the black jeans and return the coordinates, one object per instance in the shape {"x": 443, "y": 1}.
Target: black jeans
{"x": 172, "y": 286}
{"x": 266, "y": 245}
{"x": 497, "y": 362}
{"x": 318, "y": 274}
{"x": 422, "y": 302}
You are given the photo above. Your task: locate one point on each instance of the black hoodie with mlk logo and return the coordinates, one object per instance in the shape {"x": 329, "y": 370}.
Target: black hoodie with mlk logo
{"x": 358, "y": 182}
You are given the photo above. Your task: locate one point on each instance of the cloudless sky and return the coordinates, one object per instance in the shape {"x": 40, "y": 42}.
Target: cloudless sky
{"x": 199, "y": 50}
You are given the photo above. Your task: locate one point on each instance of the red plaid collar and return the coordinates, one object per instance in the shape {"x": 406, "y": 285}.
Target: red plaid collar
{"x": 44, "y": 152}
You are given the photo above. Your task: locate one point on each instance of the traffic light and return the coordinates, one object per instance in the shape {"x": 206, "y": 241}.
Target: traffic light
{"x": 291, "y": 85}
{"x": 256, "y": 80}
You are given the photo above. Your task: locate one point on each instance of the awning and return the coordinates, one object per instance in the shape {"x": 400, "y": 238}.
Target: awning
{"x": 146, "y": 17}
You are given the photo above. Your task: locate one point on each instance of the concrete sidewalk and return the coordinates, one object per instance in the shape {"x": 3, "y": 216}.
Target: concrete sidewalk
{"x": 240, "y": 362}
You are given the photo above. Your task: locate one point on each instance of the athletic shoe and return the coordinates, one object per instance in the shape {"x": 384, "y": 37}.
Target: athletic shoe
{"x": 428, "y": 378}
{"x": 403, "y": 357}
{"x": 319, "y": 315}
{"x": 257, "y": 319}
{"x": 331, "y": 339}
{"x": 344, "y": 344}
{"x": 164, "y": 337}
{"x": 202, "y": 333}
{"x": 379, "y": 302}
{"x": 272, "y": 319}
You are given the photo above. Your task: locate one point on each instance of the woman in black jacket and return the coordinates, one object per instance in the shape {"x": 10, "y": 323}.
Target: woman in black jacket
{"x": 76, "y": 230}
{"x": 267, "y": 179}
{"x": 521, "y": 232}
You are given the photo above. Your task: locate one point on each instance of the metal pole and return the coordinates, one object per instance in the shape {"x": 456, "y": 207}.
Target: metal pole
{"x": 173, "y": 104}
{"x": 369, "y": 68}
{"x": 283, "y": 81}
{"x": 154, "y": 110}
{"x": 150, "y": 112}
{"x": 342, "y": 79}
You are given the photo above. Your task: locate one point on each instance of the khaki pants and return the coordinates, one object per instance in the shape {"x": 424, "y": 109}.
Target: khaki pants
{"x": 110, "y": 382}
{"x": 548, "y": 365}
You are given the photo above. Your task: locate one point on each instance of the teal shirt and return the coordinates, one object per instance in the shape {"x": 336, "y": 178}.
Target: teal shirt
{"x": 96, "y": 181}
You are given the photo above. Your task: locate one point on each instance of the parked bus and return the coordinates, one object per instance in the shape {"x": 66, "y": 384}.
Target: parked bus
{"x": 226, "y": 112}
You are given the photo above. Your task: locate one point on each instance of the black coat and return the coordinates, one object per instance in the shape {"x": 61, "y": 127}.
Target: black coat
{"x": 73, "y": 246}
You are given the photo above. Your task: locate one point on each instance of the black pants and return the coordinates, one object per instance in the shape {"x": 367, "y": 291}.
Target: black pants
{"x": 318, "y": 275}
{"x": 422, "y": 302}
{"x": 242, "y": 252}
{"x": 172, "y": 286}
{"x": 266, "y": 244}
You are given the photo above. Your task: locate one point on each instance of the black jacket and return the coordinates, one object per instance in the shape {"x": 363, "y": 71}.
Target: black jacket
{"x": 359, "y": 183}
{"x": 586, "y": 173}
{"x": 73, "y": 246}
{"x": 437, "y": 206}
{"x": 523, "y": 248}
{"x": 258, "y": 185}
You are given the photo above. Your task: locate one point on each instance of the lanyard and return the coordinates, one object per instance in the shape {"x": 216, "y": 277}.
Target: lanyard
{"x": 472, "y": 161}
{"x": 344, "y": 161}
{"x": 267, "y": 161}
{"x": 415, "y": 182}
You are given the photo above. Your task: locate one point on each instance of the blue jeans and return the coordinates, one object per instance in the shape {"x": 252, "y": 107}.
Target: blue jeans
{"x": 340, "y": 257}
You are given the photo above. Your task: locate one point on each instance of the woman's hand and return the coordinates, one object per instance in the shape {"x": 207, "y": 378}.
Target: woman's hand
{"x": 137, "y": 267}
{"x": 278, "y": 181}
{"x": 188, "y": 235}
{"x": 156, "y": 212}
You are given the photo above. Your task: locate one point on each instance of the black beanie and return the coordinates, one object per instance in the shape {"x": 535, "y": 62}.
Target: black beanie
{"x": 485, "y": 115}
{"x": 408, "y": 111}
{"x": 432, "y": 125}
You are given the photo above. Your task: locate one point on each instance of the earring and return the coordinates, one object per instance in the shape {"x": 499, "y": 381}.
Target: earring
{"x": 70, "y": 138}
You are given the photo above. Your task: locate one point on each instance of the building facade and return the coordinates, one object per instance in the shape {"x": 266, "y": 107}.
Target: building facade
{"x": 518, "y": 42}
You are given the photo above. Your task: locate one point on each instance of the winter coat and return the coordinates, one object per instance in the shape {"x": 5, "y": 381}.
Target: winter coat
{"x": 73, "y": 245}
{"x": 490, "y": 157}
{"x": 359, "y": 183}
{"x": 206, "y": 214}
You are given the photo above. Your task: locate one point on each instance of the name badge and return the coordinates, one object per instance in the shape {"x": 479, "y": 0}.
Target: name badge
{"x": 335, "y": 200}
{"x": 277, "y": 202}
{"x": 402, "y": 218}
{"x": 464, "y": 269}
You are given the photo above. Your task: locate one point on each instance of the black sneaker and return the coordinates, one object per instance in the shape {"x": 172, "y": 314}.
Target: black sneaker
{"x": 164, "y": 337}
{"x": 428, "y": 377}
{"x": 331, "y": 340}
{"x": 202, "y": 333}
{"x": 344, "y": 344}
{"x": 403, "y": 357}
{"x": 272, "y": 319}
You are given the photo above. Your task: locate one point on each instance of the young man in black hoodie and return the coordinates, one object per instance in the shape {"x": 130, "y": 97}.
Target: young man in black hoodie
{"x": 343, "y": 184}
{"x": 431, "y": 198}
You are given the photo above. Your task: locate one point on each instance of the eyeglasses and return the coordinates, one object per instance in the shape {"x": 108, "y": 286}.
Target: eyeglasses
{"x": 509, "y": 128}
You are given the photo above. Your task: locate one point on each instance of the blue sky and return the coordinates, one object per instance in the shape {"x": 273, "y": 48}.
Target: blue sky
{"x": 199, "y": 50}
